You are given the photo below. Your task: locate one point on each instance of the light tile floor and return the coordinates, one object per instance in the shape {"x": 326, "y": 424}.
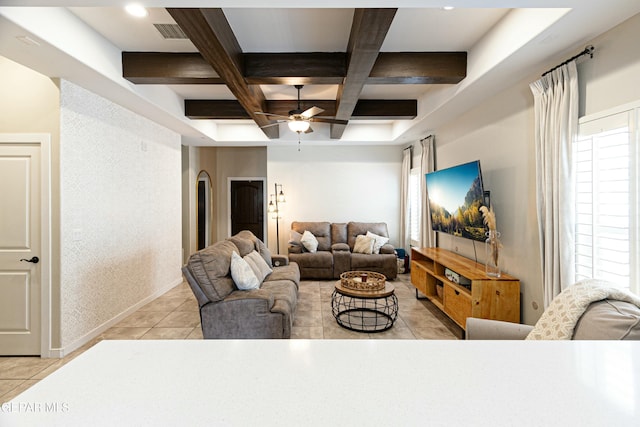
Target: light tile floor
{"x": 175, "y": 315}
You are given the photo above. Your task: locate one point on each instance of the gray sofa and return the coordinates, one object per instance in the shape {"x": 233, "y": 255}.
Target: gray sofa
{"x": 602, "y": 320}
{"x": 226, "y": 311}
{"x": 335, "y": 254}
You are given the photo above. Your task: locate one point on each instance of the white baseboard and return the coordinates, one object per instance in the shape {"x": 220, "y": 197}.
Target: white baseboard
{"x": 64, "y": 351}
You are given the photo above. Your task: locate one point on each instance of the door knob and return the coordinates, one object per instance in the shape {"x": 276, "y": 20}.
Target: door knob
{"x": 34, "y": 260}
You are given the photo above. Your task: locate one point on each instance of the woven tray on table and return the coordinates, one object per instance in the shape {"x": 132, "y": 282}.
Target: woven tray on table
{"x": 354, "y": 280}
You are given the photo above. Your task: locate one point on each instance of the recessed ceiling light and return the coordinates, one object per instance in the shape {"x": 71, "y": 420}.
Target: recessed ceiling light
{"x": 448, "y": 8}
{"x": 136, "y": 10}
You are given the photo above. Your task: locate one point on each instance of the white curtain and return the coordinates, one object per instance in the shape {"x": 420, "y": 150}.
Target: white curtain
{"x": 556, "y": 125}
{"x": 405, "y": 232}
{"x": 427, "y": 164}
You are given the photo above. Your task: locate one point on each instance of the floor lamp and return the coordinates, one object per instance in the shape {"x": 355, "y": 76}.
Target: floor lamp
{"x": 274, "y": 207}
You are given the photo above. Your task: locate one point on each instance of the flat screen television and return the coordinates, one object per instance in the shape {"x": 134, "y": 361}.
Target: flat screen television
{"x": 455, "y": 196}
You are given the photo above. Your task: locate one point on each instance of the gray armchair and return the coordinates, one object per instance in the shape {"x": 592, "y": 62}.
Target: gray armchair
{"x": 602, "y": 320}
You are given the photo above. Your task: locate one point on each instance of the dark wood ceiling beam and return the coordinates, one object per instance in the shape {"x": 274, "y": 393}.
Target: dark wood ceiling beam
{"x": 210, "y": 32}
{"x": 419, "y": 68}
{"x": 368, "y": 31}
{"x": 167, "y": 68}
{"x": 366, "y": 109}
{"x": 296, "y": 68}
{"x": 385, "y": 109}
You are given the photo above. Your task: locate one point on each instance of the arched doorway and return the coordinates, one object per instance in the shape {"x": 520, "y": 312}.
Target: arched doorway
{"x": 203, "y": 210}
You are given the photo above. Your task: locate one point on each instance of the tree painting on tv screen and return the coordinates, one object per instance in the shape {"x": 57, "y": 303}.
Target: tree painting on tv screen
{"x": 455, "y": 197}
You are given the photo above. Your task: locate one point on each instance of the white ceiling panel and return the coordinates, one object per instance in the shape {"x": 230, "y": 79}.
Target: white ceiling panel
{"x": 438, "y": 30}
{"x": 291, "y": 30}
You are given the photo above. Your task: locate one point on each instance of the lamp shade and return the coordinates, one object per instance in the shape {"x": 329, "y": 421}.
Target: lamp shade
{"x": 298, "y": 125}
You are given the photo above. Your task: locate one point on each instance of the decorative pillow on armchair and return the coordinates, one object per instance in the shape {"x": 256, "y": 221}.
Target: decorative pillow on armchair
{"x": 378, "y": 241}
{"x": 363, "y": 245}
{"x": 309, "y": 241}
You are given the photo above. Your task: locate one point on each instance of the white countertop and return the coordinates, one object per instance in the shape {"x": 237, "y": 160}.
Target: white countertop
{"x": 337, "y": 382}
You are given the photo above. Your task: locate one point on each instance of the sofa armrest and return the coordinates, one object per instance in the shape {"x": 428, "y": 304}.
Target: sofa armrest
{"x": 279, "y": 260}
{"x": 387, "y": 249}
{"x": 295, "y": 249}
{"x": 256, "y": 296}
{"x": 484, "y": 329}
{"x": 340, "y": 247}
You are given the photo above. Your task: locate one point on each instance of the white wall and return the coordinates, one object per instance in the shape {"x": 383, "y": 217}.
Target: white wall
{"x": 120, "y": 212}
{"x": 500, "y": 133}
{"x": 612, "y": 77}
{"x": 336, "y": 184}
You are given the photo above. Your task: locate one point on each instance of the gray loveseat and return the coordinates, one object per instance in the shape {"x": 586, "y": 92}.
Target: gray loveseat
{"x": 335, "y": 255}
{"x": 226, "y": 311}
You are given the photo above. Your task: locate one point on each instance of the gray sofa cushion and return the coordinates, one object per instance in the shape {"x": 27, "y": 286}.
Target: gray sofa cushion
{"x": 289, "y": 272}
{"x": 609, "y": 320}
{"x": 210, "y": 268}
{"x": 259, "y": 246}
{"x": 338, "y": 233}
{"x": 322, "y": 259}
{"x": 245, "y": 246}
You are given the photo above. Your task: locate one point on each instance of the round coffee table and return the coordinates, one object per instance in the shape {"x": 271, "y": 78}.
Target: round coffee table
{"x": 364, "y": 311}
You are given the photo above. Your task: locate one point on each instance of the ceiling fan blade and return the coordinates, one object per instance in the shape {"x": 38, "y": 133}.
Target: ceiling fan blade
{"x": 308, "y": 130}
{"x": 327, "y": 120}
{"x": 270, "y": 124}
{"x": 313, "y": 111}
{"x": 277, "y": 116}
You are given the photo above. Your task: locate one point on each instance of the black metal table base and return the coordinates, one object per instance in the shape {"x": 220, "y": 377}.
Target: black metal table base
{"x": 364, "y": 314}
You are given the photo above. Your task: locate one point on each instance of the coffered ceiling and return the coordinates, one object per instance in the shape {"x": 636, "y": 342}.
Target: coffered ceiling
{"x": 391, "y": 74}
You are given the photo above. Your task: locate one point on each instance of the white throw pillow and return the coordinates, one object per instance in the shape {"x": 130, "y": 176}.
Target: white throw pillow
{"x": 363, "y": 245}
{"x": 379, "y": 241}
{"x": 242, "y": 274}
{"x": 309, "y": 241}
{"x": 259, "y": 266}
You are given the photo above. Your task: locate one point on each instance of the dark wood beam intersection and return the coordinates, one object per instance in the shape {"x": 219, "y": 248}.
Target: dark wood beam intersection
{"x": 210, "y": 32}
{"x": 369, "y": 109}
{"x": 368, "y": 31}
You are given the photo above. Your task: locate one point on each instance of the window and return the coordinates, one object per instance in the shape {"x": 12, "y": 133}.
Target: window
{"x": 415, "y": 207}
{"x": 607, "y": 183}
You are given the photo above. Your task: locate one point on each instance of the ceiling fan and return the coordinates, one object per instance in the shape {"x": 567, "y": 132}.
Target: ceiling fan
{"x": 300, "y": 121}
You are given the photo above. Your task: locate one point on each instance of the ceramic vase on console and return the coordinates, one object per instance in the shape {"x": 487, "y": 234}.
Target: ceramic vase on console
{"x": 492, "y": 256}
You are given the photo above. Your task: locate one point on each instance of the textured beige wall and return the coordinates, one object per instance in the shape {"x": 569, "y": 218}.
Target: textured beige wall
{"x": 120, "y": 212}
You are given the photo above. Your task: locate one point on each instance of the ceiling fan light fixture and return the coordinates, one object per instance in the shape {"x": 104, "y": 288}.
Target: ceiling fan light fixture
{"x": 299, "y": 125}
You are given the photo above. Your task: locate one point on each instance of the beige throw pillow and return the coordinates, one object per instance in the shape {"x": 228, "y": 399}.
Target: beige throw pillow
{"x": 363, "y": 245}
{"x": 258, "y": 265}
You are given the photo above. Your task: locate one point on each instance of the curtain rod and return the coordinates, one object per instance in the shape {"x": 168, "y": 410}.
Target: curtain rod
{"x": 587, "y": 51}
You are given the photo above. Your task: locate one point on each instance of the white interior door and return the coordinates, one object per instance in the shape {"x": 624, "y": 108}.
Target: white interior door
{"x": 20, "y": 311}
